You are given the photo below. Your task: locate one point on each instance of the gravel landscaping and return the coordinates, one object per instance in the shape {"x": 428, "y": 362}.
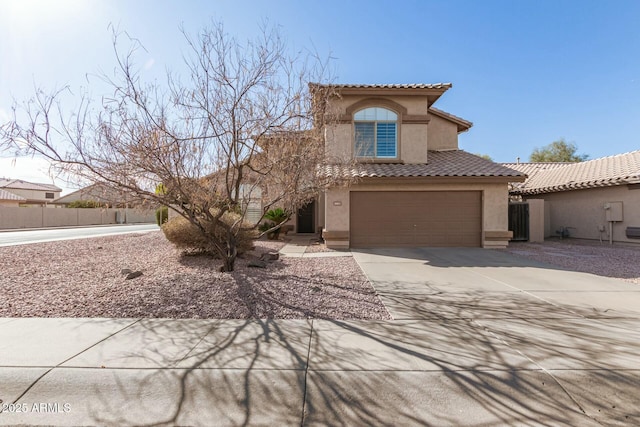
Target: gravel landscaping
{"x": 84, "y": 278}
{"x": 617, "y": 261}
{"x": 318, "y": 247}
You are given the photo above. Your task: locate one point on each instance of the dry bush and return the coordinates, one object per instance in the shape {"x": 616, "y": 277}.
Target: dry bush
{"x": 187, "y": 236}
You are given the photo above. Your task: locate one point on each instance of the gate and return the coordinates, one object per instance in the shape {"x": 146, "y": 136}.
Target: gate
{"x": 519, "y": 221}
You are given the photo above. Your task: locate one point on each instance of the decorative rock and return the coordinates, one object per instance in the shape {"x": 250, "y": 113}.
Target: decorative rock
{"x": 257, "y": 264}
{"x": 133, "y": 275}
{"x": 125, "y": 271}
{"x": 270, "y": 256}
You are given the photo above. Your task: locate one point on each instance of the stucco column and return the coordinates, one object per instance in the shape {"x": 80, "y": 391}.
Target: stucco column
{"x": 336, "y": 230}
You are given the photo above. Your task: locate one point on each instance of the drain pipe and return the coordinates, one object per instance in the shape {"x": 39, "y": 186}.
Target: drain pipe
{"x": 611, "y": 232}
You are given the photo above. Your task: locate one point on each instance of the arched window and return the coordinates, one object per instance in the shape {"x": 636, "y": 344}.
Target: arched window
{"x": 376, "y": 133}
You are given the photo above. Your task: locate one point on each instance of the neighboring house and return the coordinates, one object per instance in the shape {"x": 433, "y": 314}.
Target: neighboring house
{"x": 100, "y": 193}
{"x": 9, "y": 199}
{"x": 414, "y": 187}
{"x": 530, "y": 169}
{"x": 589, "y": 198}
{"x": 35, "y": 194}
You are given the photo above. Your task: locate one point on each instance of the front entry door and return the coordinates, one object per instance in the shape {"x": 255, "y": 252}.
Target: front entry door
{"x": 306, "y": 223}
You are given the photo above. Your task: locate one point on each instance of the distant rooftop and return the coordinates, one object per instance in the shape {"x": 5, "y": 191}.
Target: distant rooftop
{"x": 608, "y": 171}
{"x": 6, "y": 195}
{"x": 19, "y": 184}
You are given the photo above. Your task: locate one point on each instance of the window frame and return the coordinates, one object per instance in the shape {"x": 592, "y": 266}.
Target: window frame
{"x": 375, "y": 121}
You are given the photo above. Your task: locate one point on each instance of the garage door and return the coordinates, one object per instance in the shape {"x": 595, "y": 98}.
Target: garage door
{"x": 416, "y": 218}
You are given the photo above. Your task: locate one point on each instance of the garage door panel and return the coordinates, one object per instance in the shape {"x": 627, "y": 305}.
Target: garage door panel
{"x": 420, "y": 218}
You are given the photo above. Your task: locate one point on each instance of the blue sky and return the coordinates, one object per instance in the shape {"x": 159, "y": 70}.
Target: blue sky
{"x": 524, "y": 72}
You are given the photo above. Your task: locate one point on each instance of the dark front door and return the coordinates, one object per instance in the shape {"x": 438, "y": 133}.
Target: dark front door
{"x": 306, "y": 218}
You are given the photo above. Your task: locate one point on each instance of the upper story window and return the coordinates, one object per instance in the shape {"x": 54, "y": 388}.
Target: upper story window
{"x": 376, "y": 133}
{"x": 49, "y": 196}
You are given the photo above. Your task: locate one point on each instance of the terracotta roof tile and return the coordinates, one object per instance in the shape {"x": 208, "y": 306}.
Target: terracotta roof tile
{"x": 454, "y": 163}
{"x": 5, "y": 195}
{"x": 604, "y": 172}
{"x": 531, "y": 169}
{"x": 393, "y": 86}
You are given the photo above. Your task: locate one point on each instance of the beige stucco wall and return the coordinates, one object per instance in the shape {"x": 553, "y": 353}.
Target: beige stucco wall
{"x": 37, "y": 217}
{"x": 495, "y": 201}
{"x": 414, "y": 139}
{"x": 415, "y": 104}
{"x": 320, "y": 212}
{"x": 10, "y": 203}
{"x": 34, "y": 194}
{"x": 338, "y": 141}
{"x": 583, "y": 210}
{"x": 413, "y": 143}
{"x": 536, "y": 220}
{"x": 337, "y": 209}
{"x": 443, "y": 135}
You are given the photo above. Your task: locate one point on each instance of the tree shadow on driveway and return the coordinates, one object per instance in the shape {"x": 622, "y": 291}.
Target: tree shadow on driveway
{"x": 537, "y": 370}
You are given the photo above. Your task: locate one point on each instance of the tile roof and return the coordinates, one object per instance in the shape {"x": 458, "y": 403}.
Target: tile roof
{"x": 454, "y": 163}
{"x": 463, "y": 125}
{"x": 5, "y": 195}
{"x": 391, "y": 86}
{"x": 531, "y": 169}
{"x": 25, "y": 185}
{"x": 603, "y": 172}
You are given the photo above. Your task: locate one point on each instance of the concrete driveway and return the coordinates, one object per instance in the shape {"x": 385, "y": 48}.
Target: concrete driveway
{"x": 478, "y": 338}
{"x": 517, "y": 342}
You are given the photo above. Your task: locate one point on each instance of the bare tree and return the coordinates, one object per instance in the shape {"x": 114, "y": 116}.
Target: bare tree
{"x": 244, "y": 118}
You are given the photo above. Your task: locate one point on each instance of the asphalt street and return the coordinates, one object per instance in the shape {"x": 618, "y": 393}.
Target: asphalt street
{"x": 24, "y": 237}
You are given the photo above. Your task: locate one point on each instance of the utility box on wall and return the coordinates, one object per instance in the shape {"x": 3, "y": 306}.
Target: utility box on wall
{"x": 613, "y": 211}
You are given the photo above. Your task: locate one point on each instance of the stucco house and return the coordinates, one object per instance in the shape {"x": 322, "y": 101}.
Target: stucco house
{"x": 595, "y": 199}
{"x": 9, "y": 199}
{"x": 100, "y": 193}
{"x": 34, "y": 194}
{"x": 414, "y": 186}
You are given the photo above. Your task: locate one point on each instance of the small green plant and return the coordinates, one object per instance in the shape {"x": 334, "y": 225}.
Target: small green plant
{"x": 265, "y": 226}
{"x": 162, "y": 215}
{"x": 277, "y": 216}
{"x": 268, "y": 225}
{"x": 85, "y": 204}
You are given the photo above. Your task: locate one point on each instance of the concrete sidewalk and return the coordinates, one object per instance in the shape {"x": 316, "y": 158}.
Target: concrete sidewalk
{"x": 298, "y": 247}
{"x": 476, "y": 340}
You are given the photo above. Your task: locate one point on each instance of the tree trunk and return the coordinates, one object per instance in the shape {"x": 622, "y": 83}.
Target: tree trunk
{"x": 229, "y": 257}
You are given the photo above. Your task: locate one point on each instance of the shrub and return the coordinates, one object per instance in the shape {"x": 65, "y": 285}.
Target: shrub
{"x": 185, "y": 235}
{"x": 277, "y": 215}
{"x": 87, "y": 204}
{"x": 162, "y": 215}
{"x": 274, "y": 216}
{"x": 268, "y": 225}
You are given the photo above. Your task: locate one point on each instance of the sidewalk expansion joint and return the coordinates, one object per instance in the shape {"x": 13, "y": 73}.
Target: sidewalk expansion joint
{"x": 306, "y": 374}
{"x": 71, "y": 357}
{"x": 542, "y": 368}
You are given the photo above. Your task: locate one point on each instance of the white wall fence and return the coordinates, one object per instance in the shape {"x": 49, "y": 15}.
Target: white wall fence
{"x": 41, "y": 217}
